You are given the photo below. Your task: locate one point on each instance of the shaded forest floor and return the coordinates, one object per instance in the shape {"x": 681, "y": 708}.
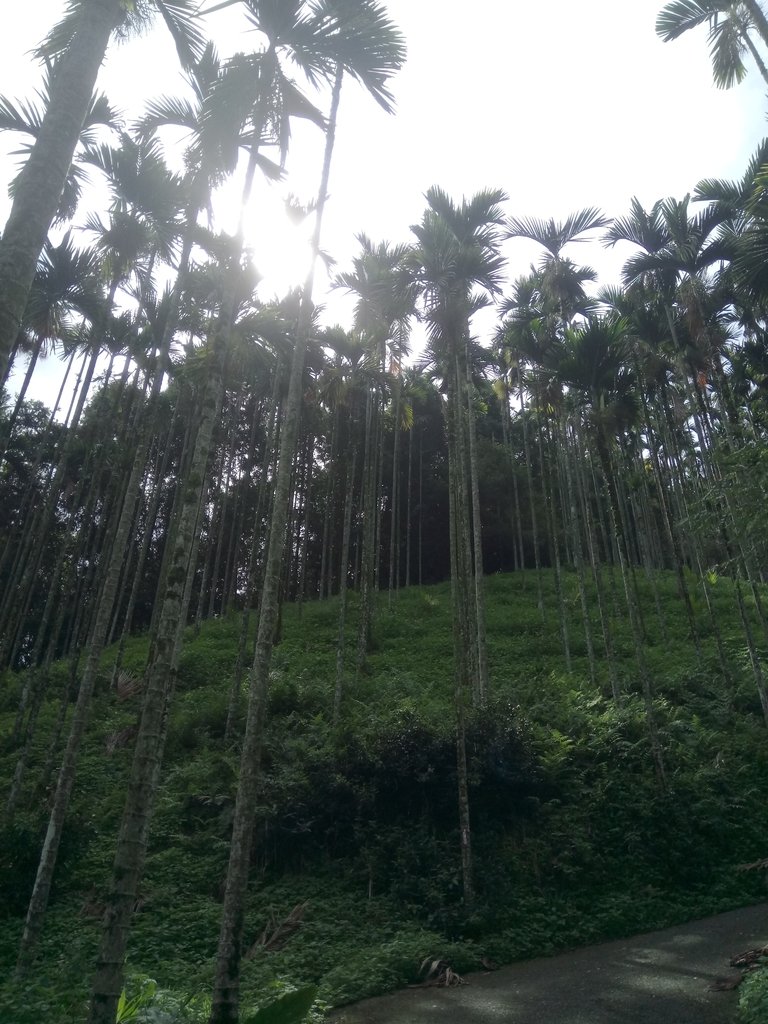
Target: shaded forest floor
{"x": 574, "y": 842}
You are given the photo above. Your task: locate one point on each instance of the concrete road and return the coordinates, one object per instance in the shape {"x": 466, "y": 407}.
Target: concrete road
{"x": 658, "y": 978}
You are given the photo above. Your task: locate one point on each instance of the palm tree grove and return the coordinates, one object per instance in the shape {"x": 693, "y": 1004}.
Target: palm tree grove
{"x": 342, "y": 658}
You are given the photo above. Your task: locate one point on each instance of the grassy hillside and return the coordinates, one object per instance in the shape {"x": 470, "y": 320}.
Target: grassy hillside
{"x": 573, "y": 839}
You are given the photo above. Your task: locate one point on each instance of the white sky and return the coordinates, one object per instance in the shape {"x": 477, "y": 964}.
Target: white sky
{"x": 563, "y": 105}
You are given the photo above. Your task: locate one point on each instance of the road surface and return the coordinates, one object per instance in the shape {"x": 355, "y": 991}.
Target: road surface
{"x": 658, "y": 978}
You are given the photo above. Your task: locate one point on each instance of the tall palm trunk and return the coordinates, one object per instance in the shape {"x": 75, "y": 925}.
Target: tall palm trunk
{"x": 303, "y": 545}
{"x": 326, "y": 571}
{"x": 343, "y": 577}
{"x": 549, "y": 500}
{"x": 478, "y": 581}
{"x": 531, "y": 505}
{"x": 408, "y": 508}
{"x": 149, "y": 526}
{"x": 633, "y": 611}
{"x": 370, "y": 494}
{"x": 20, "y": 589}
{"x": 226, "y": 992}
{"x": 261, "y": 513}
{"x": 757, "y": 57}
{"x": 97, "y": 639}
{"x": 605, "y": 625}
{"x": 467, "y": 608}
{"x": 230, "y": 460}
{"x": 759, "y": 20}
{"x": 670, "y": 529}
{"x": 578, "y": 550}
{"x": 159, "y": 685}
{"x": 461, "y": 646}
{"x": 394, "y": 548}
{"x": 42, "y": 179}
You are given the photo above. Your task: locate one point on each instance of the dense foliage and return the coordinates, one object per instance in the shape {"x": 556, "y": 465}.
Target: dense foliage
{"x": 494, "y": 765}
{"x": 357, "y": 824}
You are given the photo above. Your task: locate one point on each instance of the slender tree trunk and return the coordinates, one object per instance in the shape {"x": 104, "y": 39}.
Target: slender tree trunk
{"x": 146, "y": 540}
{"x": 756, "y": 55}
{"x": 226, "y": 993}
{"x": 370, "y": 508}
{"x": 343, "y": 577}
{"x": 531, "y": 505}
{"x": 758, "y": 18}
{"x": 252, "y": 588}
{"x": 461, "y": 666}
{"x": 477, "y": 539}
{"x": 421, "y": 508}
{"x": 43, "y": 177}
{"x": 20, "y": 589}
{"x": 548, "y": 495}
{"x": 330, "y": 494}
{"x": 160, "y": 682}
{"x": 572, "y": 454}
{"x": 605, "y": 625}
{"x": 39, "y": 899}
{"x": 634, "y": 616}
{"x": 303, "y": 545}
{"x": 231, "y": 445}
{"x": 394, "y": 551}
{"x": 409, "y": 509}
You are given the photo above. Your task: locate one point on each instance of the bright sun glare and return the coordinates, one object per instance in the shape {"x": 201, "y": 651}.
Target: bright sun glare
{"x": 280, "y": 247}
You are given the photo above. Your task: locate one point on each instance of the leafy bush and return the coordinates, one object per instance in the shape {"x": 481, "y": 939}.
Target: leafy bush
{"x": 753, "y": 998}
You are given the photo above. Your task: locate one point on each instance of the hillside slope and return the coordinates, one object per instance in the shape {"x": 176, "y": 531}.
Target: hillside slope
{"x": 357, "y": 853}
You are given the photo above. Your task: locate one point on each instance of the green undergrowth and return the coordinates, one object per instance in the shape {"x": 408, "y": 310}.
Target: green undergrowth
{"x": 753, "y": 998}
{"x": 356, "y": 833}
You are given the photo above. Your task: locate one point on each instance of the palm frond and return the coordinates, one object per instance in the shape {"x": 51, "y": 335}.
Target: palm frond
{"x": 727, "y": 50}
{"x": 577, "y": 224}
{"x": 22, "y": 116}
{"x": 296, "y": 104}
{"x": 644, "y": 228}
{"x": 166, "y": 112}
{"x": 554, "y": 235}
{"x": 359, "y": 36}
{"x": 180, "y": 17}
{"x": 63, "y": 32}
{"x": 680, "y": 16}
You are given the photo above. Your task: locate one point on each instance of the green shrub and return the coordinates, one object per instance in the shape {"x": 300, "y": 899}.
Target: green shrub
{"x": 753, "y": 998}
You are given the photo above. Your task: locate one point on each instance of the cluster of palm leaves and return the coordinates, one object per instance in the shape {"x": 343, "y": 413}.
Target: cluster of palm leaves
{"x": 210, "y": 454}
{"x": 736, "y": 29}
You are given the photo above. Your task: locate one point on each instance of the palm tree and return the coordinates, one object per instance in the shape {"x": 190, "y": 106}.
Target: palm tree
{"x": 26, "y": 118}
{"x": 593, "y": 363}
{"x": 77, "y": 47}
{"x": 559, "y": 280}
{"x": 730, "y": 24}
{"x": 127, "y": 242}
{"x": 553, "y": 297}
{"x": 742, "y": 209}
{"x": 161, "y": 672}
{"x": 457, "y": 263}
{"x": 370, "y": 49}
{"x": 385, "y": 293}
{"x": 64, "y": 284}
